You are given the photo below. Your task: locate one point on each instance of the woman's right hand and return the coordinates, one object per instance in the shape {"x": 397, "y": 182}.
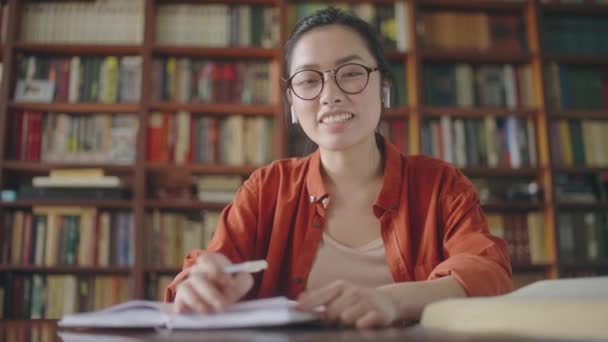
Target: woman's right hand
{"x": 208, "y": 288}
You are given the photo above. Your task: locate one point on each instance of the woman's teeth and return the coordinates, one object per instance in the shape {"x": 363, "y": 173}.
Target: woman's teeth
{"x": 337, "y": 118}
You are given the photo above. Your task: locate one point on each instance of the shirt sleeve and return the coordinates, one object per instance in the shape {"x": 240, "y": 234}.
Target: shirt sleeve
{"x": 234, "y": 236}
{"x": 478, "y": 261}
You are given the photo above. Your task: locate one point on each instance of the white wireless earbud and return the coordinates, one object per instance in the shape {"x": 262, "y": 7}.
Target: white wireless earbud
{"x": 386, "y": 94}
{"x": 294, "y": 117}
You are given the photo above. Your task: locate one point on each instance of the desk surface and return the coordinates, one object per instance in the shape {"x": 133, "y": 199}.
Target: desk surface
{"x": 299, "y": 334}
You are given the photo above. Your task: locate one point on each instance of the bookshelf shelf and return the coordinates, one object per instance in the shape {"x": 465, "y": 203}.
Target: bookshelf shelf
{"x": 65, "y": 269}
{"x": 480, "y": 5}
{"x": 511, "y": 206}
{"x": 595, "y": 264}
{"x": 475, "y": 112}
{"x": 79, "y": 49}
{"x": 582, "y": 206}
{"x": 203, "y": 168}
{"x": 219, "y": 108}
{"x": 219, "y": 52}
{"x": 584, "y": 9}
{"x": 473, "y": 56}
{"x": 500, "y": 171}
{"x": 183, "y": 204}
{"x": 580, "y": 114}
{"x": 104, "y": 204}
{"x": 36, "y": 167}
{"x": 579, "y": 169}
{"x": 396, "y": 113}
{"x": 531, "y": 267}
{"x": 162, "y": 269}
{"x": 376, "y": 2}
{"x": 81, "y": 108}
{"x": 577, "y": 59}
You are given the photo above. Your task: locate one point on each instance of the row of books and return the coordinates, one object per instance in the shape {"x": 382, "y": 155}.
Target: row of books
{"x": 65, "y": 236}
{"x": 217, "y": 25}
{"x": 493, "y": 142}
{"x": 575, "y": 34}
{"x": 39, "y": 296}
{"x": 61, "y": 137}
{"x": 390, "y": 21}
{"x": 472, "y": 30}
{"x": 524, "y": 234}
{"x": 98, "y": 21}
{"x": 217, "y": 188}
{"x": 173, "y": 234}
{"x": 203, "y": 81}
{"x": 577, "y": 142}
{"x": 583, "y": 236}
{"x": 468, "y": 85}
{"x": 576, "y": 86}
{"x": 85, "y": 79}
{"x": 233, "y": 140}
{"x": 506, "y": 189}
{"x": 34, "y": 331}
{"x": 585, "y": 188}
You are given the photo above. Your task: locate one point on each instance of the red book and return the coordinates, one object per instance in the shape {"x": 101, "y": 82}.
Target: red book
{"x": 155, "y": 137}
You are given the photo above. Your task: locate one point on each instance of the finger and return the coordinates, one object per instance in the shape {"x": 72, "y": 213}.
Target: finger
{"x": 322, "y": 296}
{"x": 209, "y": 294}
{"x": 351, "y": 314}
{"x": 187, "y": 301}
{"x": 347, "y": 298}
{"x": 241, "y": 284}
{"x": 371, "y": 319}
{"x": 213, "y": 273}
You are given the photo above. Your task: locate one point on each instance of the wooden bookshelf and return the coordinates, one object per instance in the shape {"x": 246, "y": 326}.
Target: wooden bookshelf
{"x": 475, "y": 112}
{"x": 102, "y": 204}
{"x": 80, "y": 108}
{"x": 78, "y": 49}
{"x": 414, "y": 112}
{"x": 66, "y": 269}
{"x": 473, "y": 56}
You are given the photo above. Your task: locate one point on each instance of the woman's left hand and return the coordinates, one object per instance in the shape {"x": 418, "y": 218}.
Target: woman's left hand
{"x": 352, "y": 305}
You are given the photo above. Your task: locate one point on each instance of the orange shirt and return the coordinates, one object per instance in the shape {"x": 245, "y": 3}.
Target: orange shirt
{"x": 431, "y": 223}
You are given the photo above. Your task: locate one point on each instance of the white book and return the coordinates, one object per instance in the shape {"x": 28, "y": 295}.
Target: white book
{"x": 401, "y": 16}
{"x": 150, "y": 314}
{"x": 76, "y": 182}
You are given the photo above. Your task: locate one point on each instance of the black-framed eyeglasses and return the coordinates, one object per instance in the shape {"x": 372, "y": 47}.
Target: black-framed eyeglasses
{"x": 351, "y": 78}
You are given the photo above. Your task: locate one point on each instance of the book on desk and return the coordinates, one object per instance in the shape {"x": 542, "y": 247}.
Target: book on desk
{"x": 275, "y": 311}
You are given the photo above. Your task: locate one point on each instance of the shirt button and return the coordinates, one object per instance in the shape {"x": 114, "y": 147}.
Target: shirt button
{"x": 316, "y": 223}
{"x": 393, "y": 206}
{"x": 297, "y": 280}
{"x": 311, "y": 198}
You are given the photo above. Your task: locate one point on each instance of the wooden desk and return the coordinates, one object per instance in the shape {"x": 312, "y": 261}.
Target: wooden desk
{"x": 46, "y": 330}
{"x": 309, "y": 333}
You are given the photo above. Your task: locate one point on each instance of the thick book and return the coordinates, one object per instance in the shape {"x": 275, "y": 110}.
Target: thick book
{"x": 558, "y": 308}
{"x": 275, "y": 311}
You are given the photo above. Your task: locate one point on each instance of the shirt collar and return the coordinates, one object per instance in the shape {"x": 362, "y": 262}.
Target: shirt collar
{"x": 392, "y": 182}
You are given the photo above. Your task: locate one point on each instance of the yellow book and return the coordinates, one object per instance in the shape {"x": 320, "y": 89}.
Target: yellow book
{"x": 559, "y": 308}
{"x": 69, "y": 173}
{"x": 564, "y": 133}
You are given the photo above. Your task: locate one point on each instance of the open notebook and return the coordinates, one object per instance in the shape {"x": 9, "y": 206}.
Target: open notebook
{"x": 558, "y": 308}
{"x": 149, "y": 314}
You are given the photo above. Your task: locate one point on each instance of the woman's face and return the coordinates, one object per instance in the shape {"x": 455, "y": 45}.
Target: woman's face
{"x": 335, "y": 120}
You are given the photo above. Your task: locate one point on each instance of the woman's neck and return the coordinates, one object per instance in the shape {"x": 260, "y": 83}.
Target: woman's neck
{"x": 356, "y": 166}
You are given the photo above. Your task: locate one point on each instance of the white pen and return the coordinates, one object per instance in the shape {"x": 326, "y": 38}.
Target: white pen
{"x": 247, "y": 266}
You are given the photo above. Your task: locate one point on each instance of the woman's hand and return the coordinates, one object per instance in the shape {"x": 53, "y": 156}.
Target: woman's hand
{"x": 351, "y": 305}
{"x": 208, "y": 288}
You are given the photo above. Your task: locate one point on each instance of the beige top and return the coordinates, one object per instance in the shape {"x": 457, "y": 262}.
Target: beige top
{"x": 365, "y": 265}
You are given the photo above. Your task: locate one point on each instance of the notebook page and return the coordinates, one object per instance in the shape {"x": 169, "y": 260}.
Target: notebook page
{"x": 132, "y": 314}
